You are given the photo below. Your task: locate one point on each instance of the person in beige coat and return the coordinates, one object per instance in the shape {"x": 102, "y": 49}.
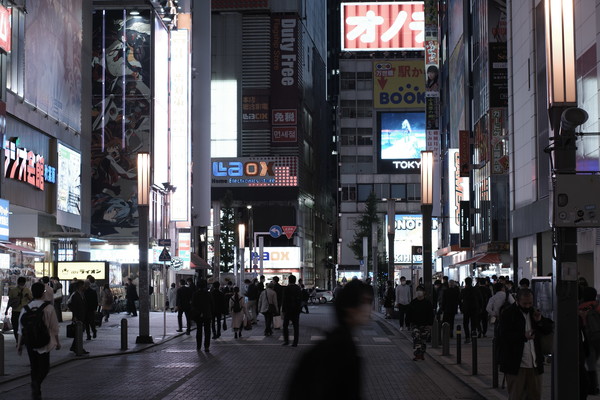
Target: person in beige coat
{"x": 266, "y": 298}
{"x": 237, "y": 309}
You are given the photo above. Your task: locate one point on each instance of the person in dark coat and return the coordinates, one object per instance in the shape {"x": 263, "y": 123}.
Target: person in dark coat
{"x": 291, "y": 304}
{"x": 449, "y": 305}
{"x": 77, "y": 307}
{"x": 184, "y": 298}
{"x": 279, "y": 290}
{"x": 486, "y": 294}
{"x": 336, "y": 357}
{"x": 91, "y": 306}
{"x": 388, "y": 299}
{"x": 420, "y": 312}
{"x": 471, "y": 304}
{"x": 521, "y": 357}
{"x": 132, "y": 296}
{"x": 203, "y": 310}
{"x": 220, "y": 304}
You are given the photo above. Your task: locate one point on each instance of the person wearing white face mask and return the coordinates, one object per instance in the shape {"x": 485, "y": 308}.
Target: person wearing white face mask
{"x": 403, "y": 297}
{"x": 420, "y": 314}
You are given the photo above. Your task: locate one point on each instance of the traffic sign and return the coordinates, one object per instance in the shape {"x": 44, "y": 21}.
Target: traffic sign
{"x": 164, "y": 255}
{"x": 164, "y": 242}
{"x": 275, "y": 231}
{"x": 289, "y": 231}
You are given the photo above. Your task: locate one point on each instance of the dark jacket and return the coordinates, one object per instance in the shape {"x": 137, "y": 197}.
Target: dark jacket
{"x": 279, "y": 290}
{"x": 336, "y": 358}
{"x": 131, "y": 292}
{"x": 184, "y": 298}
{"x": 292, "y": 299}
{"x": 420, "y": 312}
{"x": 471, "y": 302}
{"x": 91, "y": 299}
{"x": 511, "y": 339}
{"x": 202, "y": 305}
{"x": 77, "y": 306}
{"x": 486, "y": 294}
{"x": 389, "y": 298}
{"x": 252, "y": 292}
{"x": 219, "y": 301}
{"x": 450, "y": 300}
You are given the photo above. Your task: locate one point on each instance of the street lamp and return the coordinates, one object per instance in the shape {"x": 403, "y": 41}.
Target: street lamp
{"x": 426, "y": 210}
{"x": 391, "y": 232}
{"x": 562, "y": 95}
{"x": 250, "y": 236}
{"x": 143, "y": 188}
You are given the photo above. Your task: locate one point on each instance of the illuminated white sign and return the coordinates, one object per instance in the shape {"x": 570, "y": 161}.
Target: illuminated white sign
{"x": 255, "y": 171}
{"x": 458, "y": 189}
{"x": 5, "y": 261}
{"x": 80, "y": 270}
{"x": 180, "y": 131}
{"x": 68, "y": 190}
{"x": 275, "y": 258}
{"x": 409, "y": 232}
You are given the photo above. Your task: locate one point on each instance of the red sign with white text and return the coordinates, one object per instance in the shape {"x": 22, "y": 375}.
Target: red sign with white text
{"x": 289, "y": 231}
{"x": 383, "y": 26}
{"x": 5, "y": 30}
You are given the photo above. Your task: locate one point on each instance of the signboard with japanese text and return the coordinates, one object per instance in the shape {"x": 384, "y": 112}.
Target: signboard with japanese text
{"x": 285, "y": 70}
{"x": 382, "y": 26}
{"x": 458, "y": 189}
{"x": 255, "y": 109}
{"x": 254, "y": 171}
{"x": 5, "y": 28}
{"x": 67, "y": 270}
{"x": 464, "y": 149}
{"x": 184, "y": 247}
{"x": 180, "y": 125}
{"x": 26, "y": 166}
{"x": 408, "y": 233}
{"x": 498, "y": 139}
{"x": 398, "y": 84}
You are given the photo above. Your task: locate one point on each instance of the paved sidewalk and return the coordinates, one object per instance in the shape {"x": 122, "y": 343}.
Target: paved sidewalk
{"x": 482, "y": 381}
{"x": 108, "y": 342}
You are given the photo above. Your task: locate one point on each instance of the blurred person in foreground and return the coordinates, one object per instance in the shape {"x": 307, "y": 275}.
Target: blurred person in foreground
{"x": 353, "y": 309}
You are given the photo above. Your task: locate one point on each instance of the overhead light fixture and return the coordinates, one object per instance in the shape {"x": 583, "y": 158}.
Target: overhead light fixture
{"x": 134, "y": 12}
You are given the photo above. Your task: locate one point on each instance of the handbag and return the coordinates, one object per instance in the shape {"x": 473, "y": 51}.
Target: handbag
{"x": 71, "y": 328}
{"x": 6, "y": 324}
{"x": 277, "y": 322}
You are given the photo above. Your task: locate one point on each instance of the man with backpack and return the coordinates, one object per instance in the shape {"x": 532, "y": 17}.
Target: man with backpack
{"x": 18, "y": 296}
{"x": 38, "y": 331}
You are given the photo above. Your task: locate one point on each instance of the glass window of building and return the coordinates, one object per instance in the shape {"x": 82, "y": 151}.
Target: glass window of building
{"x": 348, "y": 193}
{"x": 348, "y": 81}
{"x": 398, "y": 191}
{"x": 363, "y": 192}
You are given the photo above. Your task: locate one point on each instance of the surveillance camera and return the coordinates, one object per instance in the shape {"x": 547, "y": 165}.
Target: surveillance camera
{"x": 572, "y": 117}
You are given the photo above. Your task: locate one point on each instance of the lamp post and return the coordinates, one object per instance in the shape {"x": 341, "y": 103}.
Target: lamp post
{"x": 562, "y": 95}
{"x": 250, "y": 236}
{"x": 241, "y": 237}
{"x": 143, "y": 188}
{"x": 426, "y": 210}
{"x": 391, "y": 231}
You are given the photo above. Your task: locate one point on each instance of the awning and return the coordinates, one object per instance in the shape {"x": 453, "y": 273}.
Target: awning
{"x": 198, "y": 262}
{"x": 485, "y": 258}
{"x": 21, "y": 249}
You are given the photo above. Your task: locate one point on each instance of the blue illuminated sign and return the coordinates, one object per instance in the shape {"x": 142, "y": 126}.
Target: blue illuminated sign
{"x": 4, "y": 206}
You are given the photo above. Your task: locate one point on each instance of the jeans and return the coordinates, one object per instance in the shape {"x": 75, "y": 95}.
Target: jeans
{"x": 203, "y": 326}
{"x": 40, "y": 365}
{"x": 187, "y": 319}
{"x": 268, "y": 323}
{"x": 14, "y": 320}
{"x": 294, "y": 318}
{"x": 474, "y": 322}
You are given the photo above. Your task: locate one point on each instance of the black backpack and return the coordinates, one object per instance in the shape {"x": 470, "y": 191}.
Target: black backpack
{"x": 35, "y": 331}
{"x": 236, "y": 304}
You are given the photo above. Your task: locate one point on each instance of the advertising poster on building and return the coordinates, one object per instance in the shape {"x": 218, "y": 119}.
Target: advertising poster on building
{"x": 68, "y": 192}
{"x": 458, "y": 189}
{"x": 121, "y": 120}
{"x": 398, "y": 84}
{"x": 499, "y": 141}
{"x": 408, "y": 233}
{"x": 285, "y": 45}
{"x": 4, "y": 219}
{"x": 52, "y": 64}
{"x": 382, "y": 26}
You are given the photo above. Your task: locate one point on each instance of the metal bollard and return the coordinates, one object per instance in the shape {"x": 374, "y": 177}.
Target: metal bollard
{"x": 435, "y": 337}
{"x": 445, "y": 339}
{"x": 79, "y": 336}
{"x": 1, "y": 354}
{"x": 124, "y": 334}
{"x": 458, "y": 344}
{"x": 494, "y": 364}
{"x": 474, "y": 351}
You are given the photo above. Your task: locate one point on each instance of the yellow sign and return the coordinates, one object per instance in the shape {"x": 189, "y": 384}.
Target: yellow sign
{"x": 80, "y": 270}
{"x": 399, "y": 84}
{"x": 43, "y": 269}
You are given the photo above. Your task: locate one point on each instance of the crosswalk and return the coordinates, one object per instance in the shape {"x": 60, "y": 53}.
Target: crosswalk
{"x": 260, "y": 338}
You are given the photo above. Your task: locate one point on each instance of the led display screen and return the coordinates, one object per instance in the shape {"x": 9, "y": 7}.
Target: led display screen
{"x": 401, "y": 140}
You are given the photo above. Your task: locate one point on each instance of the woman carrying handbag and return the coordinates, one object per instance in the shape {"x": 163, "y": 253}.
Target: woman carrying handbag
{"x": 267, "y": 306}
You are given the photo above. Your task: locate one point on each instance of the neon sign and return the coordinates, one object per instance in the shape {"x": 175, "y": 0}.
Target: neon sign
{"x": 255, "y": 171}
{"x": 26, "y": 166}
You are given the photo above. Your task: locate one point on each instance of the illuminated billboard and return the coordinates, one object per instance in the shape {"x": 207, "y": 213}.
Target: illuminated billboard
{"x": 254, "y": 171}
{"x": 382, "y": 26}
{"x": 400, "y": 141}
{"x": 68, "y": 191}
{"x": 408, "y": 232}
{"x": 458, "y": 189}
{"x": 398, "y": 84}
{"x": 68, "y": 270}
{"x": 276, "y": 260}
